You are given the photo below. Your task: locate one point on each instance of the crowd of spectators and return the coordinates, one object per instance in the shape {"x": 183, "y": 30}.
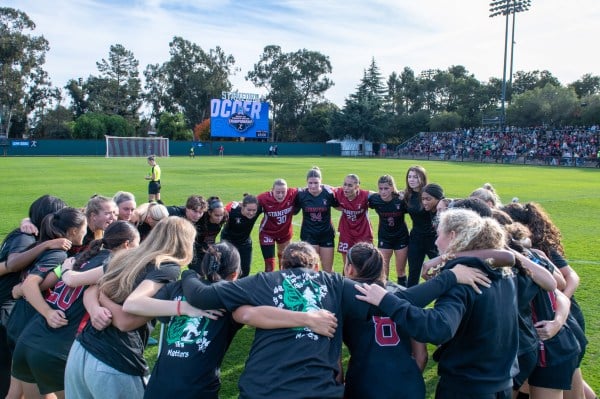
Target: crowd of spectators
{"x": 569, "y": 146}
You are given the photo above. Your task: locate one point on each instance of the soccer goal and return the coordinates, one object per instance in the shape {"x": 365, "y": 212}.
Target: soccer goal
{"x": 136, "y": 146}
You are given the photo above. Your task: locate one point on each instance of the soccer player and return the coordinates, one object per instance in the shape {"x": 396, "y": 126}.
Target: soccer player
{"x": 469, "y": 326}
{"x": 126, "y": 205}
{"x": 208, "y": 228}
{"x": 194, "y": 210}
{"x": 100, "y": 212}
{"x": 422, "y": 234}
{"x": 285, "y": 362}
{"x": 242, "y": 217}
{"x": 146, "y": 216}
{"x": 392, "y": 234}
{"x": 17, "y": 252}
{"x": 41, "y": 353}
{"x": 276, "y": 225}
{"x": 316, "y": 202}
{"x": 195, "y": 343}
{"x": 354, "y": 225}
{"x": 69, "y": 223}
{"x": 113, "y": 340}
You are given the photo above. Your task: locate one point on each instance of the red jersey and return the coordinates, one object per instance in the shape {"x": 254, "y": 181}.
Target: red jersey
{"x": 354, "y": 222}
{"x": 277, "y": 219}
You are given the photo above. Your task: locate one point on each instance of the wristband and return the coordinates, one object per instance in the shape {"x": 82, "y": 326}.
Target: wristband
{"x": 58, "y": 271}
{"x": 179, "y": 308}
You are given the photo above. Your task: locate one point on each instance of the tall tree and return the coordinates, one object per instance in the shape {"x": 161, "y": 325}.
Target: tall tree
{"x": 22, "y": 78}
{"x": 315, "y": 125}
{"x": 524, "y": 81}
{"x": 55, "y": 124}
{"x": 551, "y": 105}
{"x": 590, "y": 110}
{"x": 363, "y": 115}
{"x": 294, "y": 83}
{"x": 587, "y": 85}
{"x": 117, "y": 91}
{"x": 194, "y": 77}
{"x": 157, "y": 90}
{"x": 404, "y": 93}
{"x": 79, "y": 102}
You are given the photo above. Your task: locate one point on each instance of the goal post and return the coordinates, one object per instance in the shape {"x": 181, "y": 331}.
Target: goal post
{"x": 136, "y": 146}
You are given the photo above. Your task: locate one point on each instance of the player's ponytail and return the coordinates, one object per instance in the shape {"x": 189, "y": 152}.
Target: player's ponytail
{"x": 56, "y": 225}
{"x": 367, "y": 261}
{"x": 220, "y": 262}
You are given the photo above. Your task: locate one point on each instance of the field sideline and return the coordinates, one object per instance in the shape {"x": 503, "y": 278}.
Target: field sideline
{"x": 571, "y": 196}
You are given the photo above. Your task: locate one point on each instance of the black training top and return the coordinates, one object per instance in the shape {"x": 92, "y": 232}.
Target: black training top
{"x": 238, "y": 228}
{"x": 478, "y": 332}
{"x": 192, "y": 350}
{"x": 289, "y": 362}
{"x": 57, "y": 341}
{"x": 15, "y": 242}
{"x": 124, "y": 350}
{"x": 377, "y": 343}
{"x": 422, "y": 220}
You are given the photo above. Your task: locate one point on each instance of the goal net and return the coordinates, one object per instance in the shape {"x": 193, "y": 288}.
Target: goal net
{"x": 136, "y": 146}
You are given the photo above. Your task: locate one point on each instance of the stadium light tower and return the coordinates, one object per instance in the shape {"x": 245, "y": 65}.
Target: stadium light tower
{"x": 506, "y": 8}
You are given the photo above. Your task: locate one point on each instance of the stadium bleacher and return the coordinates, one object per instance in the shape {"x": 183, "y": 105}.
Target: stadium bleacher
{"x": 566, "y": 146}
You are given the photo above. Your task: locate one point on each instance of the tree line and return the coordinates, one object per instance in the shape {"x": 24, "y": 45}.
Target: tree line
{"x": 175, "y": 95}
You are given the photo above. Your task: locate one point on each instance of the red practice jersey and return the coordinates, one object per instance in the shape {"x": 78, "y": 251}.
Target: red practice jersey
{"x": 354, "y": 223}
{"x": 277, "y": 216}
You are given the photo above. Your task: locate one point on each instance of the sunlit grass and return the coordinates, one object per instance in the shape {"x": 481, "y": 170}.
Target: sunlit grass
{"x": 571, "y": 196}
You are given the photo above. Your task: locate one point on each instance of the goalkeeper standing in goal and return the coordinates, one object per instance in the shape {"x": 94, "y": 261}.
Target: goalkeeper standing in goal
{"x": 154, "y": 184}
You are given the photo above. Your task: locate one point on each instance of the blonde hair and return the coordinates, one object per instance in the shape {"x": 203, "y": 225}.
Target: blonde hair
{"x": 152, "y": 209}
{"x": 471, "y": 231}
{"x": 171, "y": 240}
{"x": 488, "y": 194}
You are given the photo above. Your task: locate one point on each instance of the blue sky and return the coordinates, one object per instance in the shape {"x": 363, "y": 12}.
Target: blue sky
{"x": 556, "y": 35}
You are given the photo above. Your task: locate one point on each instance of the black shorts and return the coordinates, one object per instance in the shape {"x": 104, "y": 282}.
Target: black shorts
{"x": 527, "y": 363}
{"x": 325, "y": 240}
{"x": 154, "y": 187}
{"x": 555, "y": 377}
{"x": 48, "y": 371}
{"x": 393, "y": 243}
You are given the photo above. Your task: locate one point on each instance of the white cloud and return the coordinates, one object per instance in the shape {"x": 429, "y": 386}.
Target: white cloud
{"x": 553, "y": 35}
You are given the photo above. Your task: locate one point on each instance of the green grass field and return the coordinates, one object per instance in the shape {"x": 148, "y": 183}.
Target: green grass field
{"x": 571, "y": 196}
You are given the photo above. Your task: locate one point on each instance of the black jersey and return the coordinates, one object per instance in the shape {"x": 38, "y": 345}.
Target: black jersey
{"x": 238, "y": 228}
{"x": 176, "y": 211}
{"x": 377, "y": 343}
{"x": 15, "y": 242}
{"x": 316, "y": 212}
{"x": 57, "y": 341}
{"x": 422, "y": 220}
{"x": 527, "y": 289}
{"x": 192, "y": 350}
{"x": 87, "y": 239}
{"x": 207, "y": 232}
{"x": 124, "y": 351}
{"x": 565, "y": 344}
{"x": 391, "y": 217}
{"x": 23, "y": 312}
{"x": 288, "y": 362}
{"x": 471, "y": 328}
